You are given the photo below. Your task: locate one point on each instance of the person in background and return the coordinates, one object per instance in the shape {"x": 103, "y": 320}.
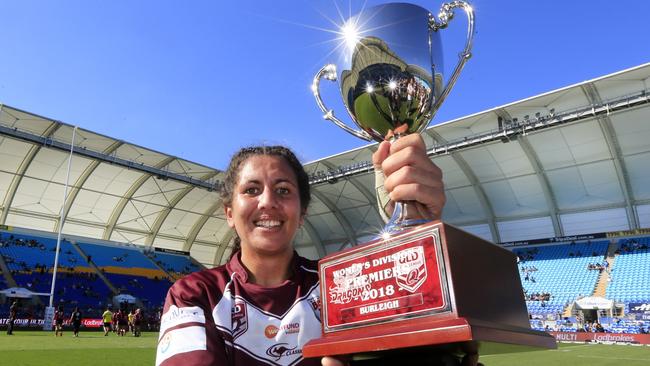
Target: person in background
{"x": 107, "y": 318}
{"x": 137, "y": 322}
{"x": 59, "y": 316}
{"x": 130, "y": 318}
{"x": 13, "y": 312}
{"x": 75, "y": 320}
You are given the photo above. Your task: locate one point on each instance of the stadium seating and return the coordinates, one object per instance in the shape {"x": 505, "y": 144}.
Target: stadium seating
{"x": 30, "y": 259}
{"x": 561, "y": 271}
{"x": 150, "y": 291}
{"x": 104, "y": 256}
{"x": 630, "y": 277}
{"x": 176, "y": 265}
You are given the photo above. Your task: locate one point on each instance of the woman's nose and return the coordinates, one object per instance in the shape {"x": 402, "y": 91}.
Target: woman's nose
{"x": 268, "y": 198}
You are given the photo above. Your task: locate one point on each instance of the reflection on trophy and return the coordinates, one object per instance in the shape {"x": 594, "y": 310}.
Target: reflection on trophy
{"x": 388, "y": 96}
{"x": 391, "y": 76}
{"x": 426, "y": 286}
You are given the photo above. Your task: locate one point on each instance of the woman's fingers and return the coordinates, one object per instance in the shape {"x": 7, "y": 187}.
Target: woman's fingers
{"x": 410, "y": 175}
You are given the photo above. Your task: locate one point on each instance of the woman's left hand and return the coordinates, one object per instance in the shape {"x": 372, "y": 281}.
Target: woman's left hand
{"x": 410, "y": 175}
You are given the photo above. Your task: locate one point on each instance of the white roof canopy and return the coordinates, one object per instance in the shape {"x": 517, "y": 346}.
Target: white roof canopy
{"x": 570, "y": 161}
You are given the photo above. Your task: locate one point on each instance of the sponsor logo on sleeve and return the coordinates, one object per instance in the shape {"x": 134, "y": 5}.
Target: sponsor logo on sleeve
{"x": 177, "y": 316}
{"x": 181, "y": 340}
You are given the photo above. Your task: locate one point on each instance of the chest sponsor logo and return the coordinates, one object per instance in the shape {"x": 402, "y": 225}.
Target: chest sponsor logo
{"x": 239, "y": 318}
{"x": 271, "y": 330}
{"x": 277, "y": 351}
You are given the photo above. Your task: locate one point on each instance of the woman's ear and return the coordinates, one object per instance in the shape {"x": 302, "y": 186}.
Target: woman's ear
{"x": 303, "y": 214}
{"x": 228, "y": 211}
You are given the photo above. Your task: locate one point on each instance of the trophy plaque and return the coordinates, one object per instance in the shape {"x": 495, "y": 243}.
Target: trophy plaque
{"x": 424, "y": 285}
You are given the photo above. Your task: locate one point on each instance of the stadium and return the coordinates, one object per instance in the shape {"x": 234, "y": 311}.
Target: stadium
{"x": 561, "y": 179}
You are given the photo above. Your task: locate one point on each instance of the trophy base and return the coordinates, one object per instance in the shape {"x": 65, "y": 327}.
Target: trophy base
{"x": 459, "y": 289}
{"x": 431, "y": 337}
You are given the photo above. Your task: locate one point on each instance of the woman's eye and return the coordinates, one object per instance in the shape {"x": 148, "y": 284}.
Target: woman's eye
{"x": 283, "y": 191}
{"x": 251, "y": 190}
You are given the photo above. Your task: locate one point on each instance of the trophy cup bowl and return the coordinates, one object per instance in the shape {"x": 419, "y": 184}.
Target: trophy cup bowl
{"x": 391, "y": 77}
{"x": 427, "y": 285}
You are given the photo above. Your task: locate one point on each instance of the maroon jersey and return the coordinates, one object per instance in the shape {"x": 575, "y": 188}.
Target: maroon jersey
{"x": 58, "y": 317}
{"x": 216, "y": 317}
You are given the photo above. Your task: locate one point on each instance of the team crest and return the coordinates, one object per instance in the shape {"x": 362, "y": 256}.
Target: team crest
{"x": 314, "y": 301}
{"x": 239, "y": 318}
{"x": 410, "y": 268}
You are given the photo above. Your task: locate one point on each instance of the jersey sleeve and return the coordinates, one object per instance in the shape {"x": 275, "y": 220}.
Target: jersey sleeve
{"x": 188, "y": 335}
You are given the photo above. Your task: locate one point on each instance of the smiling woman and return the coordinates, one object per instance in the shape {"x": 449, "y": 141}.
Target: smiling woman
{"x": 263, "y": 306}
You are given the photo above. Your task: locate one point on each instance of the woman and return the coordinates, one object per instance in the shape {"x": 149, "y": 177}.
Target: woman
{"x": 75, "y": 320}
{"x": 58, "y": 321}
{"x": 263, "y": 305}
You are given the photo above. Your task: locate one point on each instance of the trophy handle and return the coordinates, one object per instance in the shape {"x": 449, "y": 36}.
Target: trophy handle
{"x": 445, "y": 15}
{"x": 329, "y": 73}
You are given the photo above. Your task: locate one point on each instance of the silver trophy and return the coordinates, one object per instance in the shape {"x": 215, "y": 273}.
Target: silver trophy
{"x": 391, "y": 76}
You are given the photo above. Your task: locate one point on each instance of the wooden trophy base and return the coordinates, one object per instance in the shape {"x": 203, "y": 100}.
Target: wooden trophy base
{"x": 431, "y": 286}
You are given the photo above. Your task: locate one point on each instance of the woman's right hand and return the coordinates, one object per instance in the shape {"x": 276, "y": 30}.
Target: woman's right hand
{"x": 332, "y": 361}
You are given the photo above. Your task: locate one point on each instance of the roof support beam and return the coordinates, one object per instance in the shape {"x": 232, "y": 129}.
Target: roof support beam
{"x": 95, "y": 155}
{"x": 20, "y": 173}
{"x": 345, "y": 224}
{"x": 119, "y": 208}
{"x": 615, "y": 150}
{"x": 372, "y": 200}
{"x": 76, "y": 187}
{"x": 198, "y": 225}
{"x": 541, "y": 175}
{"x": 315, "y": 238}
{"x": 225, "y": 242}
{"x": 172, "y": 204}
{"x": 478, "y": 188}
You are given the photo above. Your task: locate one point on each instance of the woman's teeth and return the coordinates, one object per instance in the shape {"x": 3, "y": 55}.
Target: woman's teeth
{"x": 267, "y": 223}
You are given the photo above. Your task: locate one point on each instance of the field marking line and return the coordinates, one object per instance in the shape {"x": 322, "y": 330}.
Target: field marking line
{"x": 615, "y": 358}
{"x": 569, "y": 348}
{"x": 550, "y": 350}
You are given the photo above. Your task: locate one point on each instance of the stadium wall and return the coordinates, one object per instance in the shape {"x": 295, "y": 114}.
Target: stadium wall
{"x": 601, "y": 337}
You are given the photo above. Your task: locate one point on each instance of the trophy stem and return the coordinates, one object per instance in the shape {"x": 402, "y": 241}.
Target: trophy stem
{"x": 405, "y": 215}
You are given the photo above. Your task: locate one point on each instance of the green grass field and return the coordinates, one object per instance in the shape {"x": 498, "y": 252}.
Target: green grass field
{"x": 37, "y": 348}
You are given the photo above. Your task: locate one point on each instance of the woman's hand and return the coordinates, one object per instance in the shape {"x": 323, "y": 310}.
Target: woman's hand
{"x": 410, "y": 175}
{"x": 331, "y": 361}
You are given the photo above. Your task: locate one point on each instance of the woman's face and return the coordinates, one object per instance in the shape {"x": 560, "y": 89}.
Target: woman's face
{"x": 265, "y": 208}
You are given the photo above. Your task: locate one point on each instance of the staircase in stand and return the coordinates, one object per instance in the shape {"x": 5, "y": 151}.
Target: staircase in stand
{"x": 97, "y": 270}
{"x": 603, "y": 279}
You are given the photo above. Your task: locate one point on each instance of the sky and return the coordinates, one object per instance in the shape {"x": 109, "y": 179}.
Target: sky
{"x": 201, "y": 79}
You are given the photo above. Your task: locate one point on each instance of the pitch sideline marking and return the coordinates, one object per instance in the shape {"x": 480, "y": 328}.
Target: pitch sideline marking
{"x": 615, "y": 358}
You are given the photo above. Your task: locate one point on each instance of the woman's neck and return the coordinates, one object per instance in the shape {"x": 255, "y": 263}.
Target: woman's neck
{"x": 265, "y": 270}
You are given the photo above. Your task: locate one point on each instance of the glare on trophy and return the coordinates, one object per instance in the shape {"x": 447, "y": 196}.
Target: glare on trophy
{"x": 426, "y": 288}
{"x": 391, "y": 76}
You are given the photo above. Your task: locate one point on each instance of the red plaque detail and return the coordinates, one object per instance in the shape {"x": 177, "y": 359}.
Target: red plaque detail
{"x": 384, "y": 282}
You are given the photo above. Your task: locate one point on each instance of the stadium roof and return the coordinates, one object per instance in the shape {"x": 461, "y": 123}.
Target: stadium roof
{"x": 570, "y": 161}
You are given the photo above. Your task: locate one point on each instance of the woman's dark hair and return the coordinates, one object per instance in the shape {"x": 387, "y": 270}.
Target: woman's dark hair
{"x": 237, "y": 160}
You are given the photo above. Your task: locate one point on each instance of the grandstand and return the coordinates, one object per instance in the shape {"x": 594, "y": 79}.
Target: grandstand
{"x": 90, "y": 275}
{"x": 560, "y": 178}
